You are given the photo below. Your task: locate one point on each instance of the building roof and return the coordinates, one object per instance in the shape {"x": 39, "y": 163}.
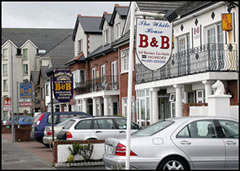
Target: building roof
{"x": 90, "y": 25}
{"x": 121, "y": 10}
{"x": 61, "y": 53}
{"x": 35, "y": 77}
{"x": 43, "y": 72}
{"x": 100, "y": 51}
{"x": 182, "y": 8}
{"x": 106, "y": 16}
{"x": 44, "y": 39}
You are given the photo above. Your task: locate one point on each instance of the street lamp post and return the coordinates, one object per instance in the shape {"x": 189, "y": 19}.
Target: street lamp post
{"x": 12, "y": 106}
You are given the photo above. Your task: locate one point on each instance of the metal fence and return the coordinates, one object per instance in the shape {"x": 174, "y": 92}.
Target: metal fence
{"x": 98, "y": 84}
{"x": 206, "y": 58}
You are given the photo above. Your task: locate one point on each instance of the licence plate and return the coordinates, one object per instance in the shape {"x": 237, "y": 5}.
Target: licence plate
{"x": 109, "y": 149}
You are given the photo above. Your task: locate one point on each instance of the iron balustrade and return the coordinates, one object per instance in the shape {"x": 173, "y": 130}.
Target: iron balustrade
{"x": 205, "y": 58}
{"x": 98, "y": 84}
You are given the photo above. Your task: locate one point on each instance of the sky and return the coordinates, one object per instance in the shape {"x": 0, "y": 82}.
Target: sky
{"x": 62, "y": 14}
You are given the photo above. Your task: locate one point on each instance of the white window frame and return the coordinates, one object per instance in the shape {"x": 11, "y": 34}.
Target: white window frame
{"x": 25, "y": 54}
{"x": 80, "y": 44}
{"x": 124, "y": 60}
{"x": 118, "y": 30}
{"x": 103, "y": 73}
{"x": 47, "y": 90}
{"x": 76, "y": 78}
{"x": 5, "y": 69}
{"x": 106, "y": 36}
{"x": 5, "y": 54}
{"x": 114, "y": 74}
{"x": 82, "y": 80}
{"x": 5, "y": 85}
{"x": 25, "y": 70}
{"x": 94, "y": 79}
{"x": 198, "y": 98}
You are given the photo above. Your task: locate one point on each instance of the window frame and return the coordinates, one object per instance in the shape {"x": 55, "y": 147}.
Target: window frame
{"x": 25, "y": 70}
{"x": 124, "y": 60}
{"x": 5, "y": 54}
{"x": 80, "y": 46}
{"x": 25, "y": 54}
{"x": 106, "y": 36}
{"x": 5, "y": 85}
{"x": 5, "y": 69}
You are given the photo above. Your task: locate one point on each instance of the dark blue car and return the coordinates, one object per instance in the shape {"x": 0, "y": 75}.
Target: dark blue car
{"x": 45, "y": 119}
{"x": 25, "y": 120}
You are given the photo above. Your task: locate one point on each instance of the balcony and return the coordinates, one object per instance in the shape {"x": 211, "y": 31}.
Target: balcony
{"x": 98, "y": 84}
{"x": 206, "y": 58}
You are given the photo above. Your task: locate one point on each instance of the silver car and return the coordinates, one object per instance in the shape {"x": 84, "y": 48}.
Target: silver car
{"x": 179, "y": 144}
{"x": 95, "y": 128}
{"x": 47, "y": 138}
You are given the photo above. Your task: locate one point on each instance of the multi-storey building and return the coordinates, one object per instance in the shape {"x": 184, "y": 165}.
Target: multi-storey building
{"x": 21, "y": 51}
{"x": 203, "y": 53}
{"x": 97, "y": 71}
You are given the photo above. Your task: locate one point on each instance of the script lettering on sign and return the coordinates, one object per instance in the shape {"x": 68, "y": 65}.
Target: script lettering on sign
{"x": 63, "y": 85}
{"x": 154, "y": 42}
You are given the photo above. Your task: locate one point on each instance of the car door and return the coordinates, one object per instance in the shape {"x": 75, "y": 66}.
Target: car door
{"x": 82, "y": 130}
{"x": 199, "y": 140}
{"x": 104, "y": 128}
{"x": 231, "y": 134}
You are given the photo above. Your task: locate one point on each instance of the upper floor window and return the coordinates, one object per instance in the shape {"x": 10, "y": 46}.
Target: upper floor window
{"x": 103, "y": 73}
{"x": 25, "y": 54}
{"x": 124, "y": 60}
{"x": 5, "y": 69}
{"x": 106, "y": 36}
{"x": 78, "y": 78}
{"x": 118, "y": 30}
{"x": 47, "y": 89}
{"x": 5, "y": 85}
{"x": 80, "y": 49}
{"x": 5, "y": 54}
{"x": 25, "y": 69}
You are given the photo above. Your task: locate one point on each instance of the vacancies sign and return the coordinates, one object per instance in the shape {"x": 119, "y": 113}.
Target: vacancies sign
{"x": 153, "y": 42}
{"x": 63, "y": 85}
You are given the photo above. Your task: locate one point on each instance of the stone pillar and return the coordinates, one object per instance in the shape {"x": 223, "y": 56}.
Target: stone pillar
{"x": 84, "y": 105}
{"x": 100, "y": 106}
{"x": 155, "y": 107}
{"x": 105, "y": 101}
{"x": 208, "y": 89}
{"x": 110, "y": 100}
{"x": 178, "y": 102}
{"x": 94, "y": 106}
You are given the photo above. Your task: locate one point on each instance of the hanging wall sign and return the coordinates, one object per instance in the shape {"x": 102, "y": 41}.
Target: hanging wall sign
{"x": 26, "y": 90}
{"x": 227, "y": 22}
{"x": 153, "y": 42}
{"x": 63, "y": 85}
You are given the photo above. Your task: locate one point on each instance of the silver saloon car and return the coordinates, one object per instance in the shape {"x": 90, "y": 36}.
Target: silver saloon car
{"x": 195, "y": 143}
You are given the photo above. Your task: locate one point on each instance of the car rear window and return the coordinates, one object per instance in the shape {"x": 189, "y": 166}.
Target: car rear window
{"x": 155, "y": 128}
{"x": 69, "y": 124}
{"x": 37, "y": 117}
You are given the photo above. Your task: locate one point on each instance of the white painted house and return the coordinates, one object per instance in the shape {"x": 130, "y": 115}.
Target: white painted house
{"x": 203, "y": 53}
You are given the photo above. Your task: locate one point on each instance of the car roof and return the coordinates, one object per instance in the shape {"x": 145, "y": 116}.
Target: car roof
{"x": 200, "y": 118}
{"x": 93, "y": 117}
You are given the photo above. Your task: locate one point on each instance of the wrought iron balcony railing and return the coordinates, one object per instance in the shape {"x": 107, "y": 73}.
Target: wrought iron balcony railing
{"x": 98, "y": 84}
{"x": 206, "y": 58}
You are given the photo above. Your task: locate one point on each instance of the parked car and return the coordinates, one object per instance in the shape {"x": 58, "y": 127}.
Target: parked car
{"x": 95, "y": 128}
{"x": 45, "y": 119}
{"x": 179, "y": 143}
{"x": 8, "y": 121}
{"x": 47, "y": 138}
{"x": 25, "y": 120}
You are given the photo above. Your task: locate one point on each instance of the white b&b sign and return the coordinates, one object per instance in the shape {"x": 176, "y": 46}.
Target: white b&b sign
{"x": 153, "y": 42}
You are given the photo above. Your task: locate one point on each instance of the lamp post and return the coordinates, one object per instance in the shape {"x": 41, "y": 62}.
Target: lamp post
{"x": 12, "y": 106}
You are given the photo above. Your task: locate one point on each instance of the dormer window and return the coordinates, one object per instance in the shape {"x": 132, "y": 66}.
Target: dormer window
{"x": 80, "y": 46}
{"x": 25, "y": 54}
{"x": 106, "y": 36}
{"x": 5, "y": 54}
{"x": 118, "y": 30}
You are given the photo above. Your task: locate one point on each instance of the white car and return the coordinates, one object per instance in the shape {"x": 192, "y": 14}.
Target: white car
{"x": 188, "y": 143}
{"x": 95, "y": 128}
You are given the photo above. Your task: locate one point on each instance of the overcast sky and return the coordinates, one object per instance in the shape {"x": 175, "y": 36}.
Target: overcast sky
{"x": 51, "y": 14}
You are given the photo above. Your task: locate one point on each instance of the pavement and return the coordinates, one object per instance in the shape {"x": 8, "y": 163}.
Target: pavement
{"x": 30, "y": 155}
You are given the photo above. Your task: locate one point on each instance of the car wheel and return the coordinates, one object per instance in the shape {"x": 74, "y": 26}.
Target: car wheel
{"x": 173, "y": 163}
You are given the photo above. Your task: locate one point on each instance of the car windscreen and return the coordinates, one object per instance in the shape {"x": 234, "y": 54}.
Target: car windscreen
{"x": 37, "y": 117}
{"x": 69, "y": 124}
{"x": 153, "y": 129}
{"x": 63, "y": 122}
